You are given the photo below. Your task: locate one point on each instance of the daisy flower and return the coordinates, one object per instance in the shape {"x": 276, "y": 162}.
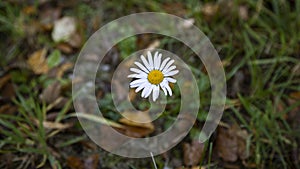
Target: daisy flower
{"x": 153, "y": 75}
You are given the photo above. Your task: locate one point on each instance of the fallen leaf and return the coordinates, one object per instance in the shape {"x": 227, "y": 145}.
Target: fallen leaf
{"x": 137, "y": 124}
{"x": 91, "y": 162}
{"x": 51, "y": 92}
{"x": 54, "y": 125}
{"x": 132, "y": 95}
{"x": 75, "y": 40}
{"x": 137, "y": 119}
{"x": 96, "y": 22}
{"x": 7, "y": 109}
{"x": 64, "y": 47}
{"x": 295, "y": 95}
{"x": 75, "y": 163}
{"x": 29, "y": 10}
{"x": 63, "y": 29}
{"x": 231, "y": 143}
{"x": 136, "y": 132}
{"x": 192, "y": 153}
{"x": 38, "y": 63}
{"x": 155, "y": 44}
{"x": 232, "y": 103}
{"x": 175, "y": 8}
{"x": 195, "y": 167}
{"x": 8, "y": 91}
{"x": 89, "y": 144}
{"x": 47, "y": 17}
{"x": 4, "y": 79}
{"x": 97, "y": 119}
{"x": 63, "y": 68}
{"x": 143, "y": 41}
{"x": 109, "y": 144}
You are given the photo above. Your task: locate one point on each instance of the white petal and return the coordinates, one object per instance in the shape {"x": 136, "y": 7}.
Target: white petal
{"x": 136, "y": 70}
{"x": 169, "y": 89}
{"x": 169, "y": 79}
{"x": 145, "y": 62}
{"x": 164, "y": 63}
{"x": 165, "y": 83}
{"x": 164, "y": 89}
{"x": 169, "y": 69}
{"x": 168, "y": 65}
{"x": 140, "y": 75}
{"x": 138, "y": 81}
{"x": 132, "y": 75}
{"x": 174, "y": 72}
{"x": 155, "y": 93}
{"x": 150, "y": 60}
{"x": 156, "y": 61}
{"x": 159, "y": 61}
{"x": 135, "y": 85}
{"x": 141, "y": 67}
{"x": 149, "y": 92}
{"x": 146, "y": 89}
{"x": 142, "y": 86}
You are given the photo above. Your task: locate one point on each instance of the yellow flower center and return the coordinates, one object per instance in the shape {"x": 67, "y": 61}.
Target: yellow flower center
{"x": 155, "y": 77}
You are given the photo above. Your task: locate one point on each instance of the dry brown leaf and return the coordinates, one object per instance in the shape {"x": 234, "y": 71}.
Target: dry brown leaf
{"x": 90, "y": 162}
{"x": 137, "y": 124}
{"x": 132, "y": 95}
{"x": 136, "y": 132}
{"x": 227, "y": 145}
{"x": 137, "y": 119}
{"x": 8, "y": 91}
{"x": 143, "y": 41}
{"x": 155, "y": 44}
{"x": 195, "y": 167}
{"x": 75, "y": 163}
{"x": 59, "y": 103}
{"x": 29, "y": 10}
{"x": 295, "y": 95}
{"x": 96, "y": 22}
{"x": 54, "y": 125}
{"x": 64, "y": 47}
{"x": 51, "y": 92}
{"x": 75, "y": 40}
{"x": 192, "y": 153}
{"x": 175, "y": 8}
{"x": 63, "y": 68}
{"x": 231, "y": 143}
{"x": 47, "y": 17}
{"x": 38, "y": 63}
{"x": 232, "y": 103}
{"x": 7, "y": 109}
{"x": 4, "y": 80}
{"x": 105, "y": 133}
